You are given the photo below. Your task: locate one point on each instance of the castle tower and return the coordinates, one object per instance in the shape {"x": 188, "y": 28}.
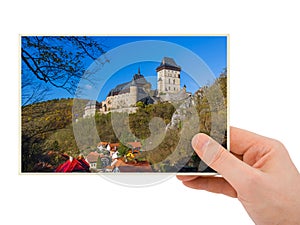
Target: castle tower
{"x": 90, "y": 109}
{"x": 133, "y": 96}
{"x": 168, "y": 75}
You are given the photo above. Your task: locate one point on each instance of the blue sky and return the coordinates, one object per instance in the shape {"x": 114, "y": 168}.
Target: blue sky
{"x": 211, "y": 49}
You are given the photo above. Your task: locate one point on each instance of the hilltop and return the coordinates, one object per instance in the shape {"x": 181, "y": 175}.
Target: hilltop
{"x": 47, "y": 129}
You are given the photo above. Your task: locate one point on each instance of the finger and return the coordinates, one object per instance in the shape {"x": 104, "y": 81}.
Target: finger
{"x": 186, "y": 178}
{"x": 242, "y": 140}
{"x": 214, "y": 155}
{"x": 212, "y": 184}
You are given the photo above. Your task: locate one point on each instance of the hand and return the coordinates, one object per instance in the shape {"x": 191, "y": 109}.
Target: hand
{"x": 258, "y": 171}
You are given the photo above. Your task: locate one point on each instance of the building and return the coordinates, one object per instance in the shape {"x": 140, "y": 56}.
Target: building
{"x": 90, "y": 109}
{"x": 110, "y": 147}
{"x": 136, "y": 145}
{"x": 92, "y": 158}
{"x": 123, "y": 97}
{"x": 168, "y": 76}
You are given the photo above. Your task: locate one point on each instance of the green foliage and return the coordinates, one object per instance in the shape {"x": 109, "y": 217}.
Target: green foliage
{"x": 99, "y": 163}
{"x": 161, "y": 152}
{"x": 64, "y": 138}
{"x": 47, "y": 130}
{"x": 140, "y": 105}
{"x": 88, "y": 150}
{"x": 211, "y": 105}
{"x": 212, "y": 108}
{"x": 123, "y": 150}
{"x": 86, "y": 135}
{"x": 104, "y": 127}
{"x": 139, "y": 121}
{"x": 46, "y": 127}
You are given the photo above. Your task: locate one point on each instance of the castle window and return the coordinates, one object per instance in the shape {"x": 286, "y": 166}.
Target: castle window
{"x": 174, "y": 89}
{"x": 169, "y": 81}
{"x": 174, "y": 81}
{"x": 169, "y": 88}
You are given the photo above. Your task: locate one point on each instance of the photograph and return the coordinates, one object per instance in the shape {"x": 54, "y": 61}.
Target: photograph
{"x": 121, "y": 104}
{"x": 158, "y": 112}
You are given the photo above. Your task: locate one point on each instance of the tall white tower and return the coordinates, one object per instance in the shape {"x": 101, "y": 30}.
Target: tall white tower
{"x": 168, "y": 75}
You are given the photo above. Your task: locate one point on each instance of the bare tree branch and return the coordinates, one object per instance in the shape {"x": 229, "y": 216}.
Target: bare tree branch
{"x": 57, "y": 60}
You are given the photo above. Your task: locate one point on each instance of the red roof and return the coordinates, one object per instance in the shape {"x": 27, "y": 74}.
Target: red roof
{"x": 102, "y": 143}
{"x": 133, "y": 167}
{"x": 135, "y": 144}
{"x": 92, "y": 157}
{"x": 112, "y": 145}
{"x": 138, "y": 167}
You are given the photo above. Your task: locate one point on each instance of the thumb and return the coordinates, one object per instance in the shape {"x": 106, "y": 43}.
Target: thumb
{"x": 215, "y": 156}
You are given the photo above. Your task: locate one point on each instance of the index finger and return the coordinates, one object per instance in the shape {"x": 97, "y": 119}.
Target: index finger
{"x": 242, "y": 140}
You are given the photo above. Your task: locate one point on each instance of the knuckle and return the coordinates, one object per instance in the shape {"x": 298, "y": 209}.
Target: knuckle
{"x": 277, "y": 144}
{"x": 220, "y": 156}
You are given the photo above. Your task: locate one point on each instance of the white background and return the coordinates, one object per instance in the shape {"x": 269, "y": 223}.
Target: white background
{"x": 264, "y": 75}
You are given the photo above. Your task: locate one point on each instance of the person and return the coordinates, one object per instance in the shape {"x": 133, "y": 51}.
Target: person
{"x": 257, "y": 170}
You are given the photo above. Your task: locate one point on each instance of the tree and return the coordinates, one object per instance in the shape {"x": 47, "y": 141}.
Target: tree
{"x": 59, "y": 61}
{"x": 99, "y": 163}
{"x": 46, "y": 127}
{"x": 32, "y": 91}
{"x": 123, "y": 149}
{"x": 140, "y": 104}
{"x": 212, "y": 103}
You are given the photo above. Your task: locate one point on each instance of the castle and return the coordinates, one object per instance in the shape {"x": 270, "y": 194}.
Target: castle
{"x": 123, "y": 97}
{"x": 168, "y": 76}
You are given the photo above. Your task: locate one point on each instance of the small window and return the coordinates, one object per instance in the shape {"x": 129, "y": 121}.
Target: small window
{"x": 169, "y": 88}
{"x": 174, "y": 81}
{"x": 169, "y": 81}
{"x": 174, "y": 89}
